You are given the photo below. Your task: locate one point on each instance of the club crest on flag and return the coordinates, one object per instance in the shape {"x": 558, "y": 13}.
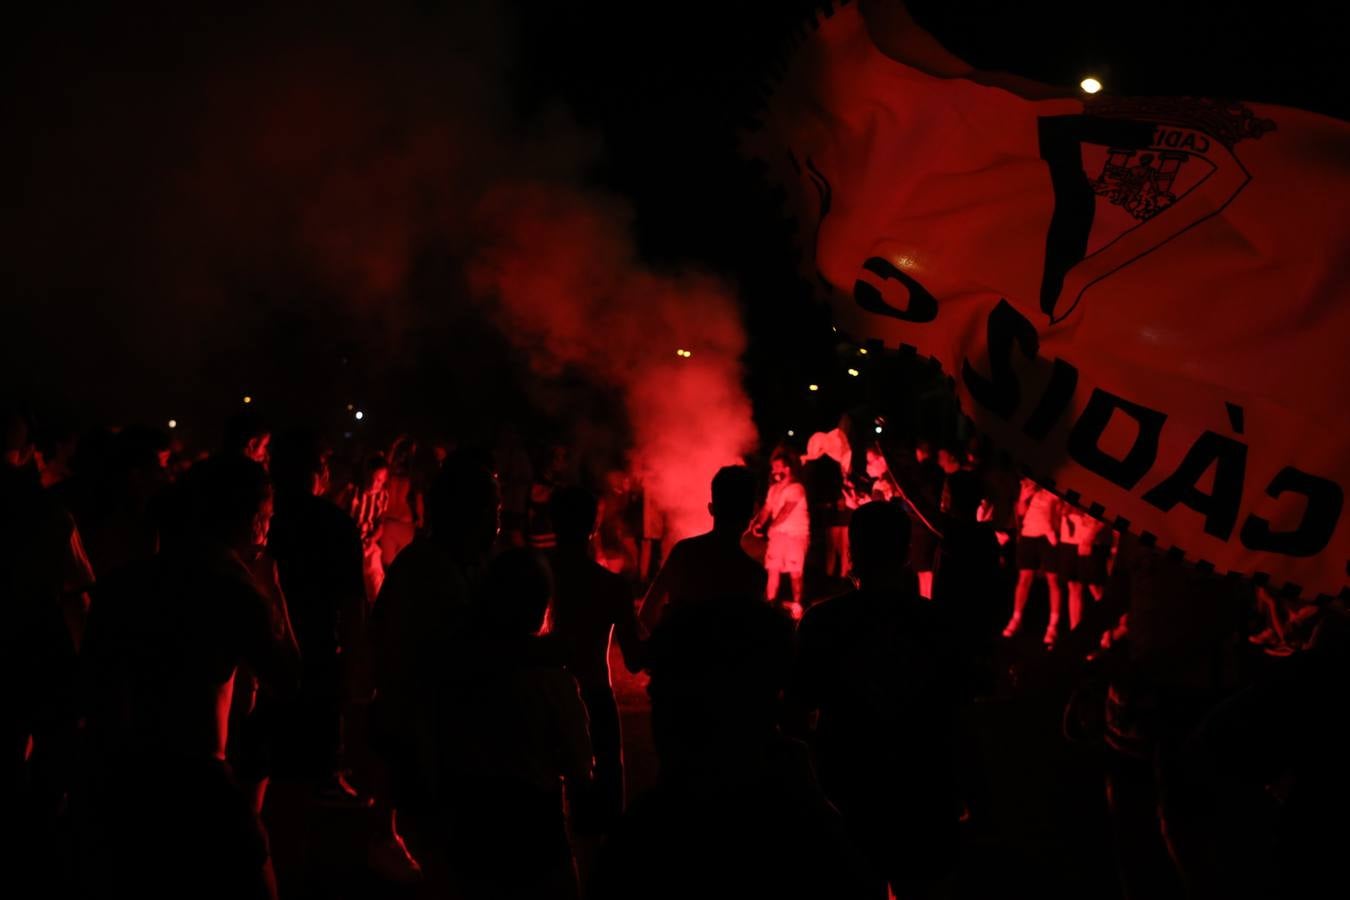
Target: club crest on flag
{"x": 1131, "y": 175}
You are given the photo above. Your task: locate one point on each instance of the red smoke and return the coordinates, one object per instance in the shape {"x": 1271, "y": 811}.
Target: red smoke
{"x": 559, "y": 265}
{"x": 287, "y": 171}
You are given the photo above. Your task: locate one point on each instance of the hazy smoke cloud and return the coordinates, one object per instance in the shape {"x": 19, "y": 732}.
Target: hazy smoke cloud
{"x": 560, "y": 262}
{"x": 213, "y": 203}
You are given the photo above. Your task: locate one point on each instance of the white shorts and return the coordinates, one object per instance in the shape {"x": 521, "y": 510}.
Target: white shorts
{"x": 786, "y": 553}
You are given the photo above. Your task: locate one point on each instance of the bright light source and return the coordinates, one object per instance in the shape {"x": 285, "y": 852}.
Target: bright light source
{"x": 360, "y": 415}
{"x": 684, "y": 353}
{"x": 853, "y": 372}
{"x": 878, "y": 429}
{"x": 791, "y": 433}
{"x": 1090, "y": 85}
{"x": 247, "y": 399}
{"x": 173, "y": 423}
{"x": 813, "y": 387}
{"x": 862, "y": 351}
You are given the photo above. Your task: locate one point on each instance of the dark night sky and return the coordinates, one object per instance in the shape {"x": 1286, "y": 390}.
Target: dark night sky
{"x": 125, "y": 128}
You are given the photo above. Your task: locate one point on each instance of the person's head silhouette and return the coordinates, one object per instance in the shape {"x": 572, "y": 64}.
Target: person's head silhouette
{"x": 463, "y": 506}
{"x": 733, "y": 499}
{"x": 878, "y": 537}
{"x": 298, "y": 464}
{"x": 223, "y": 501}
{"x": 573, "y": 510}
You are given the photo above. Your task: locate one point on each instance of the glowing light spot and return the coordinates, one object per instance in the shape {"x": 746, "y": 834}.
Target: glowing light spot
{"x": 813, "y": 387}
{"x": 862, "y": 351}
{"x": 853, "y": 372}
{"x": 1090, "y": 85}
{"x": 173, "y": 423}
{"x": 360, "y": 415}
{"x": 878, "y": 429}
{"x": 247, "y": 399}
{"x": 791, "y": 433}
{"x": 684, "y": 353}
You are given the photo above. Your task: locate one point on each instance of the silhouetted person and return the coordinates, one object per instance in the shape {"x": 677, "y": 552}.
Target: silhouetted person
{"x": 366, "y": 501}
{"x": 539, "y": 533}
{"x": 616, "y": 529}
{"x": 404, "y": 514}
{"x": 512, "y": 730}
{"x": 56, "y": 456}
{"x": 418, "y": 626}
{"x": 1179, "y": 656}
{"x": 879, "y": 667}
{"x": 1256, "y": 805}
{"x": 737, "y": 812}
{"x": 166, "y": 641}
{"x": 825, "y": 483}
{"x": 711, "y": 566}
{"x": 591, "y": 604}
{"x": 516, "y": 473}
{"x": 44, "y": 575}
{"x": 117, "y": 505}
{"x": 319, "y": 559}
{"x": 967, "y": 583}
{"x": 923, "y": 482}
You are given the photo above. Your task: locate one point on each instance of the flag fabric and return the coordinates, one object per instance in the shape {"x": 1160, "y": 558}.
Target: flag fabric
{"x": 1143, "y": 300}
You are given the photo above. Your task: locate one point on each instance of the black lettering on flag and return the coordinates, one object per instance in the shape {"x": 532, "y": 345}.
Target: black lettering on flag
{"x": 1320, "y": 516}
{"x": 1001, "y": 392}
{"x": 1091, "y": 425}
{"x": 923, "y": 306}
{"x": 1220, "y": 508}
{"x": 1058, "y": 393}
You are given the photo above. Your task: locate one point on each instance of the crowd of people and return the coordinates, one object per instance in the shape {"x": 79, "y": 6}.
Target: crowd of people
{"x": 202, "y": 650}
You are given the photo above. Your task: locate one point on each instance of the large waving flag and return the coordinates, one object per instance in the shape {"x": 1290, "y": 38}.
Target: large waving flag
{"x": 1146, "y": 301}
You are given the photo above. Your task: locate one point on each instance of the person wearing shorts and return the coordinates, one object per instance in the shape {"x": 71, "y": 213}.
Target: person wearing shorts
{"x": 786, "y": 518}
{"x": 1037, "y": 544}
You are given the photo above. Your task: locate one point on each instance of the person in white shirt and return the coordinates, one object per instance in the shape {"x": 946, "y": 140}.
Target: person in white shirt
{"x": 1040, "y": 512}
{"x": 787, "y": 520}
